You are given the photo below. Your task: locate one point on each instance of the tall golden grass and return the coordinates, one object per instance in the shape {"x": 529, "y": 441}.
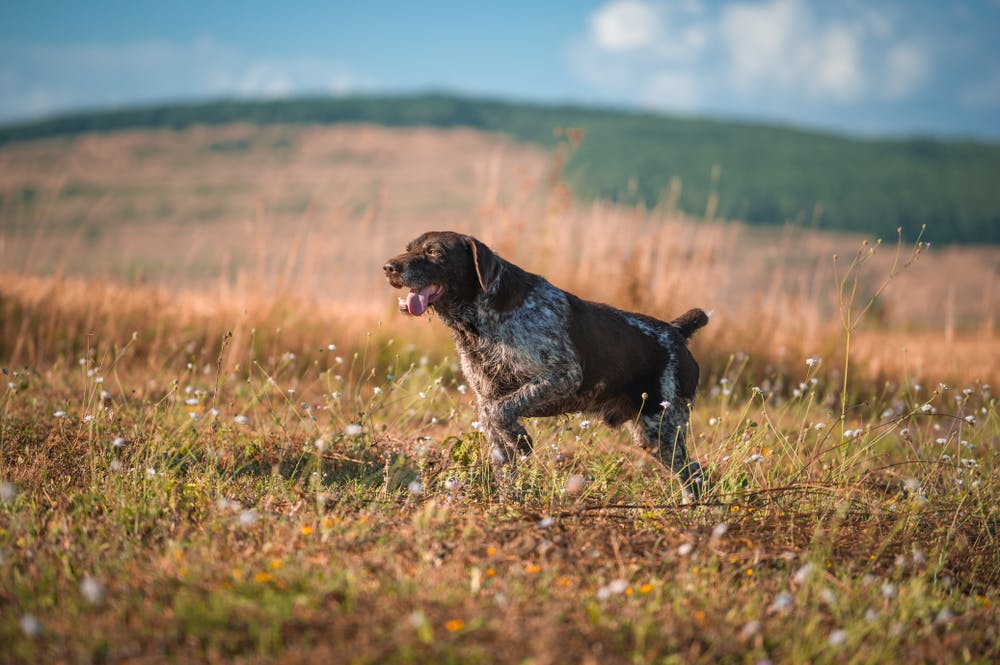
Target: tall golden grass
{"x": 79, "y": 269}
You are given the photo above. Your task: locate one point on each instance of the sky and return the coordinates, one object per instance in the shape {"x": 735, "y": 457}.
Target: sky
{"x": 860, "y": 67}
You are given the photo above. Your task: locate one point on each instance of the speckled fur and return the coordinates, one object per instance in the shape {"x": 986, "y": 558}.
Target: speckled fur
{"x": 529, "y": 349}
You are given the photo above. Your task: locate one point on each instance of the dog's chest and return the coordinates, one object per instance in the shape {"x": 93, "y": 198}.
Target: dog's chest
{"x": 510, "y": 348}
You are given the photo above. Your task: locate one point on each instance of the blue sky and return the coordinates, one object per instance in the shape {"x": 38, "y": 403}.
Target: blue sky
{"x": 861, "y": 67}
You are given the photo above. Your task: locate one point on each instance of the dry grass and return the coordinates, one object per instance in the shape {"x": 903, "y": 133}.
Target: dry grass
{"x": 259, "y": 460}
{"x": 364, "y": 191}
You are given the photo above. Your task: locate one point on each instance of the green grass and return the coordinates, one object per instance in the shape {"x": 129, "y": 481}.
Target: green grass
{"x": 308, "y": 508}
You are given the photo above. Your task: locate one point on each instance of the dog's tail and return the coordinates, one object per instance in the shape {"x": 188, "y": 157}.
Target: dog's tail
{"x": 690, "y": 321}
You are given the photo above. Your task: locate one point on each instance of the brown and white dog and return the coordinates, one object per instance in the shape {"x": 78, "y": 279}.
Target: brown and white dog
{"x": 530, "y": 349}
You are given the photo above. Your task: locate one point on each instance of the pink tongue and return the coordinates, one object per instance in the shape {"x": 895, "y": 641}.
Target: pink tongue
{"x": 416, "y": 301}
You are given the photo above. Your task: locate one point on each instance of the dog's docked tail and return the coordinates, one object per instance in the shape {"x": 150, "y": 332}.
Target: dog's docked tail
{"x": 690, "y": 321}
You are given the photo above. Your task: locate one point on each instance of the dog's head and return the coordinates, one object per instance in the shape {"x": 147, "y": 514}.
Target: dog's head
{"x": 442, "y": 268}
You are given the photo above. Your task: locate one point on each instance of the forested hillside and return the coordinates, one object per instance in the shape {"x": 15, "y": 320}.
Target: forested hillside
{"x": 758, "y": 173}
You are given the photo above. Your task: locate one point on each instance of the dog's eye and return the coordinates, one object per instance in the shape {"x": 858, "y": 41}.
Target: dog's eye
{"x": 433, "y": 251}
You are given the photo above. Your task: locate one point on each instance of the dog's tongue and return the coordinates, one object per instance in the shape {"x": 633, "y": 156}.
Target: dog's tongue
{"x": 416, "y": 301}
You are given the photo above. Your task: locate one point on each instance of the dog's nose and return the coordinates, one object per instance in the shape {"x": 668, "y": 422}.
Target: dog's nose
{"x": 391, "y": 268}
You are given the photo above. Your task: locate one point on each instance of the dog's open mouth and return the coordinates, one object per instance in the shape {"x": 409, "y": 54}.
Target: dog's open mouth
{"x": 417, "y": 301}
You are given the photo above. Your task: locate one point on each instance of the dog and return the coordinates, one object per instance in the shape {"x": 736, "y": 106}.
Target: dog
{"x": 530, "y": 349}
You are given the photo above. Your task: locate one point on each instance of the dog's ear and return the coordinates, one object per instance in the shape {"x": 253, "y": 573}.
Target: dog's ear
{"x": 485, "y": 263}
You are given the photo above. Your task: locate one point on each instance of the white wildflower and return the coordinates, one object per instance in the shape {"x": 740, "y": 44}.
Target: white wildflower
{"x": 720, "y": 530}
{"x": 415, "y": 487}
{"x": 150, "y": 472}
{"x": 782, "y": 603}
{"x": 92, "y": 590}
{"x": 462, "y": 388}
{"x": 750, "y": 628}
{"x": 228, "y": 505}
{"x": 812, "y": 362}
{"x": 613, "y": 588}
{"x": 241, "y": 420}
{"x": 838, "y": 638}
{"x": 29, "y": 623}
{"x": 685, "y": 549}
{"x": 802, "y": 575}
{"x": 59, "y": 414}
{"x": 247, "y": 518}
{"x": 353, "y": 430}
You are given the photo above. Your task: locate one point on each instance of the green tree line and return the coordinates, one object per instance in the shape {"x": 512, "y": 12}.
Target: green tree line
{"x": 762, "y": 174}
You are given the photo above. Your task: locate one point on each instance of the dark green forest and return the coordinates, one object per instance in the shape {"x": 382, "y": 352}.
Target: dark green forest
{"x": 762, "y": 174}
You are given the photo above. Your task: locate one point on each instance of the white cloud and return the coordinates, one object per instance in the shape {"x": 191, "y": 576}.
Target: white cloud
{"x": 623, "y": 25}
{"x": 779, "y": 46}
{"x": 839, "y": 72}
{"x": 769, "y": 53}
{"x": 760, "y": 41}
{"x": 906, "y": 70}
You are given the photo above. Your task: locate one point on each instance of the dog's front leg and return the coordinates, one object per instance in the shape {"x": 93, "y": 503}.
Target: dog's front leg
{"x": 504, "y": 432}
{"x": 536, "y": 397}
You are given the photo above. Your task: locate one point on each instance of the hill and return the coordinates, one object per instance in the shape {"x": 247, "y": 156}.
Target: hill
{"x": 757, "y": 173}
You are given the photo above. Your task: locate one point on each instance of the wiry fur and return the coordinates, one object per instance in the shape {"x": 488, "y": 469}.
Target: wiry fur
{"x": 530, "y": 349}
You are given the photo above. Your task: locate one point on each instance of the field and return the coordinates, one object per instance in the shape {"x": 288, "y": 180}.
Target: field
{"x": 219, "y": 442}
